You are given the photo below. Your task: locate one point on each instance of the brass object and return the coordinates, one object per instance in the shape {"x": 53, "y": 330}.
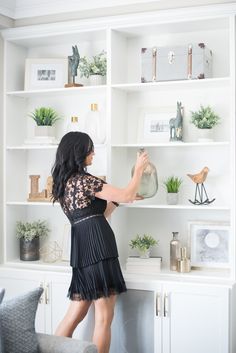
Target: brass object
{"x": 94, "y": 107}
{"x": 183, "y": 263}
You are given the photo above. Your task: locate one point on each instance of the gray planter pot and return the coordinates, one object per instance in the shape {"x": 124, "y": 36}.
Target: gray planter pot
{"x": 29, "y": 249}
{"x": 172, "y": 198}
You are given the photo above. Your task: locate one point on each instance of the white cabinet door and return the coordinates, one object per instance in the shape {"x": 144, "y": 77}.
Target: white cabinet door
{"x": 195, "y": 319}
{"x": 17, "y": 283}
{"x": 132, "y": 327}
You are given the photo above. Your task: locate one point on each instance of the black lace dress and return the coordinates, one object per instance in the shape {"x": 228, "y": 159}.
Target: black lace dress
{"x": 96, "y": 270}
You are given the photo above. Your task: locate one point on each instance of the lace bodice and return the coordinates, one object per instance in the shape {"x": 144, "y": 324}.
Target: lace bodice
{"x": 80, "y": 192}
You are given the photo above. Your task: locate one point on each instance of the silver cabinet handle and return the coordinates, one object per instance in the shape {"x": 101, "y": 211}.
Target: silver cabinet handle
{"x": 158, "y": 306}
{"x": 46, "y": 291}
{"x": 166, "y": 304}
{"x": 41, "y": 299}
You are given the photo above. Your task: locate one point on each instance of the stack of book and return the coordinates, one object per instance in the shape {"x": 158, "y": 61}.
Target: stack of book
{"x": 138, "y": 265}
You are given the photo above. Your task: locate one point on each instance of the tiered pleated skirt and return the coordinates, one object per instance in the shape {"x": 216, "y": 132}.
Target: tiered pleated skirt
{"x": 96, "y": 270}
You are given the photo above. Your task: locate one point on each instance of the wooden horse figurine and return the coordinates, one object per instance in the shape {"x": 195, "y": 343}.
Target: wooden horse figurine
{"x": 176, "y": 125}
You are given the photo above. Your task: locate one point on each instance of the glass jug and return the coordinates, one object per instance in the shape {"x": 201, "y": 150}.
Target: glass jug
{"x": 149, "y": 183}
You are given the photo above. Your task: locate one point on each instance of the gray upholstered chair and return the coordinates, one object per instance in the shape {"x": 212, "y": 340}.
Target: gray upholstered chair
{"x": 55, "y": 344}
{"x": 17, "y": 332}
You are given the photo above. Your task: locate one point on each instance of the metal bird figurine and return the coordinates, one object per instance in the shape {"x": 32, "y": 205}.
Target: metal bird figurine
{"x": 200, "y": 191}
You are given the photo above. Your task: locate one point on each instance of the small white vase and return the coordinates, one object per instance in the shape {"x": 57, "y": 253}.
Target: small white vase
{"x": 96, "y": 80}
{"x": 205, "y": 135}
{"x": 172, "y": 198}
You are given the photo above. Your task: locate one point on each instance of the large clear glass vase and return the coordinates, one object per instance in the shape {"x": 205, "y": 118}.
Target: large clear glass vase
{"x": 149, "y": 182}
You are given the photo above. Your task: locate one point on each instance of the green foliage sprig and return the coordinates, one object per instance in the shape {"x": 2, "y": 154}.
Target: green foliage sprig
{"x": 95, "y": 66}
{"x": 30, "y": 230}
{"x": 204, "y": 118}
{"x": 143, "y": 243}
{"x": 44, "y": 116}
{"x": 172, "y": 184}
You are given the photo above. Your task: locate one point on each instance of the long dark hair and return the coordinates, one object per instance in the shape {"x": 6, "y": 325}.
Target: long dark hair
{"x": 71, "y": 153}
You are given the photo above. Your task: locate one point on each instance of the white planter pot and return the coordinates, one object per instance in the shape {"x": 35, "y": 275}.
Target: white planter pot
{"x": 44, "y": 131}
{"x": 172, "y": 198}
{"x": 96, "y": 80}
{"x": 205, "y": 135}
{"x": 145, "y": 254}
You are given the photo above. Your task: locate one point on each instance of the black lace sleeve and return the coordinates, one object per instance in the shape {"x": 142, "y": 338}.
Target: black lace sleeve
{"x": 91, "y": 185}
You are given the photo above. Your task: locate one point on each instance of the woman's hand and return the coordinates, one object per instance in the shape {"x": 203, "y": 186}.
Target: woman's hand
{"x": 142, "y": 161}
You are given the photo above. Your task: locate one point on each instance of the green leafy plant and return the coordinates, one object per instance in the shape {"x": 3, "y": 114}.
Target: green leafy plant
{"x": 44, "y": 116}
{"x": 172, "y": 184}
{"x": 204, "y": 118}
{"x": 95, "y": 66}
{"x": 30, "y": 230}
{"x": 143, "y": 243}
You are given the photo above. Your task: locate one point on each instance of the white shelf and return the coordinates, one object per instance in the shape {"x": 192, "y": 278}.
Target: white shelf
{"x": 176, "y": 207}
{"x": 173, "y": 144}
{"x": 26, "y": 203}
{"x": 62, "y": 266}
{"x": 57, "y": 91}
{"x": 43, "y": 147}
{"x": 217, "y": 276}
{"x": 181, "y": 84}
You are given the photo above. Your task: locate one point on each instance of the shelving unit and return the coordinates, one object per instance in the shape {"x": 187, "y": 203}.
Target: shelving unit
{"x": 123, "y": 101}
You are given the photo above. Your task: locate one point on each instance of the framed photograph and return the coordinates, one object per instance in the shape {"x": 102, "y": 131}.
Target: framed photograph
{"x": 66, "y": 242}
{"x": 209, "y": 244}
{"x": 154, "y": 124}
{"x": 45, "y": 73}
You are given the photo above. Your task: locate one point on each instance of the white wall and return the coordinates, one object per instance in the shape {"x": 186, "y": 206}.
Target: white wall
{"x": 1, "y": 143}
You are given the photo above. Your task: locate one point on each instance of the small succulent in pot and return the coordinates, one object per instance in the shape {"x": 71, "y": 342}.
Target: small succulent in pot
{"x": 44, "y": 116}
{"x": 29, "y": 234}
{"x": 143, "y": 244}
{"x": 97, "y": 66}
{"x": 205, "y": 118}
{"x": 172, "y": 185}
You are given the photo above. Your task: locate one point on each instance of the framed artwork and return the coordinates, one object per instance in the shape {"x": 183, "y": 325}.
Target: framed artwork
{"x": 209, "y": 244}
{"x": 153, "y": 124}
{"x": 45, "y": 73}
{"x": 66, "y": 242}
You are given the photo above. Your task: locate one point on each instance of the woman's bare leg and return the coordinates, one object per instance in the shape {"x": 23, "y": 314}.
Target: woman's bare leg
{"x": 75, "y": 314}
{"x": 104, "y": 311}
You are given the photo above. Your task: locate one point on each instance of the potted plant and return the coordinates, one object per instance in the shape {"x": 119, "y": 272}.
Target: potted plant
{"x": 29, "y": 234}
{"x": 143, "y": 244}
{"x": 205, "y": 119}
{"x": 172, "y": 185}
{"x": 94, "y": 69}
{"x": 45, "y": 119}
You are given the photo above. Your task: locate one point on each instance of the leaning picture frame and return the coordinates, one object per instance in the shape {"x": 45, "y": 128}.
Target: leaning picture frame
{"x": 153, "y": 124}
{"x": 209, "y": 244}
{"x": 45, "y": 73}
{"x": 66, "y": 242}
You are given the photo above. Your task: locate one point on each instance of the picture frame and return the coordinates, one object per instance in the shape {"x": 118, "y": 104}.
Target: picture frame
{"x": 153, "y": 125}
{"x": 209, "y": 244}
{"x": 66, "y": 242}
{"x": 45, "y": 73}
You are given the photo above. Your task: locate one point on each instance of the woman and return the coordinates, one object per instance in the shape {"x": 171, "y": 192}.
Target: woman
{"x": 87, "y": 201}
